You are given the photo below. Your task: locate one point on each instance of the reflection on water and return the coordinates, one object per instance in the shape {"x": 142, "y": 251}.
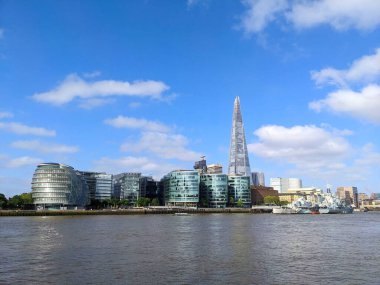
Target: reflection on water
{"x": 196, "y": 249}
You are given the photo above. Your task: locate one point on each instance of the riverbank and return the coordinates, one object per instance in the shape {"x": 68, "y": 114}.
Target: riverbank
{"x": 141, "y": 211}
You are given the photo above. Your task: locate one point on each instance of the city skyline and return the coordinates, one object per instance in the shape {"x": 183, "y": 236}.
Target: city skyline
{"x": 148, "y": 87}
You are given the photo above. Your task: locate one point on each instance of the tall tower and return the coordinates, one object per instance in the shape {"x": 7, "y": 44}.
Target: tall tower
{"x": 239, "y": 162}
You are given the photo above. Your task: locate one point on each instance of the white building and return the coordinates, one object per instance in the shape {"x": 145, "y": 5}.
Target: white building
{"x": 283, "y": 184}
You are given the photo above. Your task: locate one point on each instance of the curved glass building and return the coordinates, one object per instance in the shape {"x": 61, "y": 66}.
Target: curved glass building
{"x": 214, "y": 190}
{"x": 58, "y": 186}
{"x": 181, "y": 188}
{"x": 239, "y": 190}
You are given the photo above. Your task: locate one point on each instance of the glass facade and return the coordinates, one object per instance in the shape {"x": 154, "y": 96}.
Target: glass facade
{"x": 128, "y": 185}
{"x": 181, "y": 188}
{"x": 103, "y": 189}
{"x": 56, "y": 186}
{"x": 239, "y": 161}
{"x": 214, "y": 190}
{"x": 239, "y": 191}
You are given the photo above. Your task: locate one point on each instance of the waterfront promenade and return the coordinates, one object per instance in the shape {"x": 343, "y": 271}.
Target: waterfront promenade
{"x": 133, "y": 211}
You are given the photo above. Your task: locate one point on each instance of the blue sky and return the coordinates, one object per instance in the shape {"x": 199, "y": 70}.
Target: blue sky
{"x": 149, "y": 86}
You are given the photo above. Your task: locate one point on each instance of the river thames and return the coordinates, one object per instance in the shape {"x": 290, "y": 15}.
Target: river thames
{"x": 195, "y": 249}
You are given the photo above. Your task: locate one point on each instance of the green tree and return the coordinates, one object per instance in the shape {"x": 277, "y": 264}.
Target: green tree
{"x": 3, "y": 201}
{"x": 155, "y": 202}
{"x": 124, "y": 202}
{"x": 272, "y": 200}
{"x": 231, "y": 201}
{"x": 283, "y": 203}
{"x": 142, "y": 202}
{"x": 239, "y": 203}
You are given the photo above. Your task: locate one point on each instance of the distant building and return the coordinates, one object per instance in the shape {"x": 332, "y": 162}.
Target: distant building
{"x": 201, "y": 165}
{"x": 238, "y": 160}
{"x": 375, "y": 196}
{"x": 214, "y": 169}
{"x": 99, "y": 185}
{"x": 239, "y": 190}
{"x": 309, "y": 193}
{"x": 128, "y": 185}
{"x": 349, "y": 194}
{"x": 181, "y": 188}
{"x": 258, "y": 193}
{"x": 148, "y": 187}
{"x": 258, "y": 179}
{"x": 214, "y": 190}
{"x": 283, "y": 184}
{"x": 58, "y": 186}
{"x": 362, "y": 197}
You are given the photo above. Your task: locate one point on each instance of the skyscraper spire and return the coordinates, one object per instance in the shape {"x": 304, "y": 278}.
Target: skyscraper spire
{"x": 239, "y": 162}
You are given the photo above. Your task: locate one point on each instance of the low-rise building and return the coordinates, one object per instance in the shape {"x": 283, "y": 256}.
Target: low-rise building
{"x": 258, "y": 193}
{"x": 239, "y": 192}
{"x": 214, "y": 190}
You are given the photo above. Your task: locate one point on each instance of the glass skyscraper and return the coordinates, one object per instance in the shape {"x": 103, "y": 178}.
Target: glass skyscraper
{"x": 238, "y": 162}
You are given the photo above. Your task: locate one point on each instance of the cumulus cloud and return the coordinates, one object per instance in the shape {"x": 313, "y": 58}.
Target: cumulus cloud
{"x": 134, "y": 123}
{"x": 306, "y": 147}
{"x": 135, "y": 164}
{"x": 74, "y": 87}
{"x": 40, "y": 147}
{"x": 340, "y": 15}
{"x": 364, "y": 104}
{"x": 22, "y": 129}
{"x": 164, "y": 145}
{"x": 260, "y": 13}
{"x": 6, "y": 115}
{"x": 363, "y": 70}
{"x": 21, "y": 162}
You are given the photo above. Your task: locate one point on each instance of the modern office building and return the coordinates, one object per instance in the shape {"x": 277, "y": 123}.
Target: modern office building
{"x": 201, "y": 165}
{"x": 58, "y": 186}
{"x": 214, "y": 169}
{"x": 99, "y": 185}
{"x": 283, "y": 184}
{"x": 294, "y": 183}
{"x": 128, "y": 185}
{"x": 181, "y": 188}
{"x": 214, "y": 190}
{"x": 148, "y": 187}
{"x": 238, "y": 160}
{"x": 103, "y": 190}
{"x": 239, "y": 191}
{"x": 349, "y": 194}
{"x": 258, "y": 179}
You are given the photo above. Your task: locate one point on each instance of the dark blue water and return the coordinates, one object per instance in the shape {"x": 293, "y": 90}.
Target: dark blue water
{"x": 197, "y": 249}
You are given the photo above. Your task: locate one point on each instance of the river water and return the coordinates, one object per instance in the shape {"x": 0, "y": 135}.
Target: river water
{"x": 195, "y": 249}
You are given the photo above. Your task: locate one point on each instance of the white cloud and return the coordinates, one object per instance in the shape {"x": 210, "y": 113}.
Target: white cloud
{"x": 6, "y": 115}
{"x": 22, "y": 129}
{"x": 341, "y": 15}
{"x": 302, "y": 14}
{"x": 363, "y": 70}
{"x": 134, "y": 123}
{"x": 260, "y": 13}
{"x": 21, "y": 162}
{"x": 364, "y": 104}
{"x": 91, "y": 103}
{"x": 75, "y": 87}
{"x": 135, "y": 164}
{"x": 40, "y": 147}
{"x": 134, "y": 105}
{"x": 164, "y": 145}
{"x": 306, "y": 147}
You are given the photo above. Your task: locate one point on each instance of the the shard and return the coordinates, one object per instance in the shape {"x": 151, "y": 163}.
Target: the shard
{"x": 239, "y": 162}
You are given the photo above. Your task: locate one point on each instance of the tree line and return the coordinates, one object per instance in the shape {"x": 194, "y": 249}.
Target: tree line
{"x": 23, "y": 201}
